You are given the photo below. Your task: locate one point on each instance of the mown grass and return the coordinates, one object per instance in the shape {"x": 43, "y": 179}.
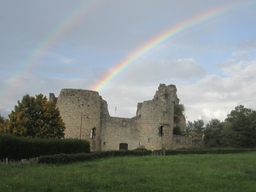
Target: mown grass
{"x": 229, "y": 172}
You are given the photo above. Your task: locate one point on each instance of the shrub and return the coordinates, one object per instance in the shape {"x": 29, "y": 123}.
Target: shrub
{"x": 17, "y": 148}
{"x": 176, "y": 130}
{"x": 81, "y": 157}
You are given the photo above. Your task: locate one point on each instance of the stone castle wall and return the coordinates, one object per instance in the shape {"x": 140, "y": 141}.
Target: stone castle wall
{"x": 86, "y": 116}
{"x": 81, "y": 113}
{"x": 186, "y": 142}
{"x": 117, "y": 130}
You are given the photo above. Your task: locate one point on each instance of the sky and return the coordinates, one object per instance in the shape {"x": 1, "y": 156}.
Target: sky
{"x": 125, "y": 49}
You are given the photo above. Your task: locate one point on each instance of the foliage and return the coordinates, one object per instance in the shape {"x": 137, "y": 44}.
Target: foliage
{"x": 243, "y": 125}
{"x": 213, "y": 133}
{"x": 238, "y": 130}
{"x": 1, "y": 119}
{"x": 81, "y": 157}
{"x": 178, "y": 112}
{"x": 35, "y": 117}
{"x": 190, "y": 151}
{"x": 16, "y": 148}
{"x": 176, "y": 130}
{"x": 240, "y": 111}
{"x": 196, "y": 126}
{"x": 2, "y": 125}
{"x": 201, "y": 173}
{"x": 228, "y": 136}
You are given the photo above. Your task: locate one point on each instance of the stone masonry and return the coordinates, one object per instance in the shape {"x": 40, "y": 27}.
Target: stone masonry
{"x": 86, "y": 116}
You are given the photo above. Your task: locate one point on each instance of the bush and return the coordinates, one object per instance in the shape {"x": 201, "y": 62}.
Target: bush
{"x": 81, "y": 157}
{"x": 202, "y": 151}
{"x": 176, "y": 130}
{"x": 17, "y": 148}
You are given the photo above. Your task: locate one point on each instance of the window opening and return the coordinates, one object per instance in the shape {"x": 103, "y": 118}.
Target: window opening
{"x": 160, "y": 131}
{"x": 93, "y": 133}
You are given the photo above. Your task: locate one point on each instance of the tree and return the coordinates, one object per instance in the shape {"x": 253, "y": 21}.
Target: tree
{"x": 189, "y": 127}
{"x": 199, "y": 126}
{"x": 212, "y": 133}
{"x": 244, "y": 126}
{"x": 178, "y": 112}
{"x": 195, "y": 128}
{"x": 229, "y": 138}
{"x": 36, "y": 117}
{"x": 1, "y": 119}
{"x": 237, "y": 113}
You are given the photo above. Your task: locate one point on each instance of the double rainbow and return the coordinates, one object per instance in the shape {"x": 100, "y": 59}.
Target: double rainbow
{"x": 68, "y": 23}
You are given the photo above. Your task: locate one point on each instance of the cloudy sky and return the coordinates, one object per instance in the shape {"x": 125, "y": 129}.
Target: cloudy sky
{"x": 49, "y": 45}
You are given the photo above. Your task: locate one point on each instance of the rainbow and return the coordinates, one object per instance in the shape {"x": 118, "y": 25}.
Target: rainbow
{"x": 162, "y": 37}
{"x": 47, "y": 43}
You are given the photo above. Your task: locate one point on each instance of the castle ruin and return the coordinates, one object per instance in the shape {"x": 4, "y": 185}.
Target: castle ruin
{"x": 86, "y": 116}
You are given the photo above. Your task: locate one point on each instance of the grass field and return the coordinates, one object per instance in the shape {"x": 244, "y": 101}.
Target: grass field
{"x": 229, "y": 172}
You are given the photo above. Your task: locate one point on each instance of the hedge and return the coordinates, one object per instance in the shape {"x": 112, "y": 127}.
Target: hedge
{"x": 17, "y": 148}
{"x": 202, "y": 151}
{"x": 81, "y": 157}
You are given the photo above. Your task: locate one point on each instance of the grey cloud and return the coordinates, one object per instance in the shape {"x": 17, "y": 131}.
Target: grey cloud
{"x": 215, "y": 96}
{"x": 147, "y": 71}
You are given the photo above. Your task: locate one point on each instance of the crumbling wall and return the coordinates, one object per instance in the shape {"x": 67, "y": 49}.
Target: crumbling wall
{"x": 86, "y": 116}
{"x": 186, "y": 142}
{"x": 53, "y": 98}
{"x": 116, "y": 130}
{"x": 81, "y": 113}
{"x": 155, "y": 118}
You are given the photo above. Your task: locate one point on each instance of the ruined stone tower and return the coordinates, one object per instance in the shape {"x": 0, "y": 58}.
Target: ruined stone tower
{"x": 86, "y": 116}
{"x": 155, "y": 118}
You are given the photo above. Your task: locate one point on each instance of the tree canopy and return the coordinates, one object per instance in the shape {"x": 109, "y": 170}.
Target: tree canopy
{"x": 196, "y": 126}
{"x": 1, "y": 119}
{"x": 238, "y": 129}
{"x": 244, "y": 125}
{"x": 35, "y": 117}
{"x": 212, "y": 133}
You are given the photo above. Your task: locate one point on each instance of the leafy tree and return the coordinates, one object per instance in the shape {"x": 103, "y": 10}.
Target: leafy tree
{"x": 229, "y": 137}
{"x": 237, "y": 113}
{"x": 179, "y": 109}
{"x": 212, "y": 133}
{"x": 36, "y": 117}
{"x": 199, "y": 126}
{"x": 176, "y": 130}
{"x": 189, "y": 126}
{"x": 195, "y": 128}
{"x": 244, "y": 126}
{"x": 1, "y": 119}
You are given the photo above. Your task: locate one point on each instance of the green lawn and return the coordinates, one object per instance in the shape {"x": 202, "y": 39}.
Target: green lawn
{"x": 229, "y": 172}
